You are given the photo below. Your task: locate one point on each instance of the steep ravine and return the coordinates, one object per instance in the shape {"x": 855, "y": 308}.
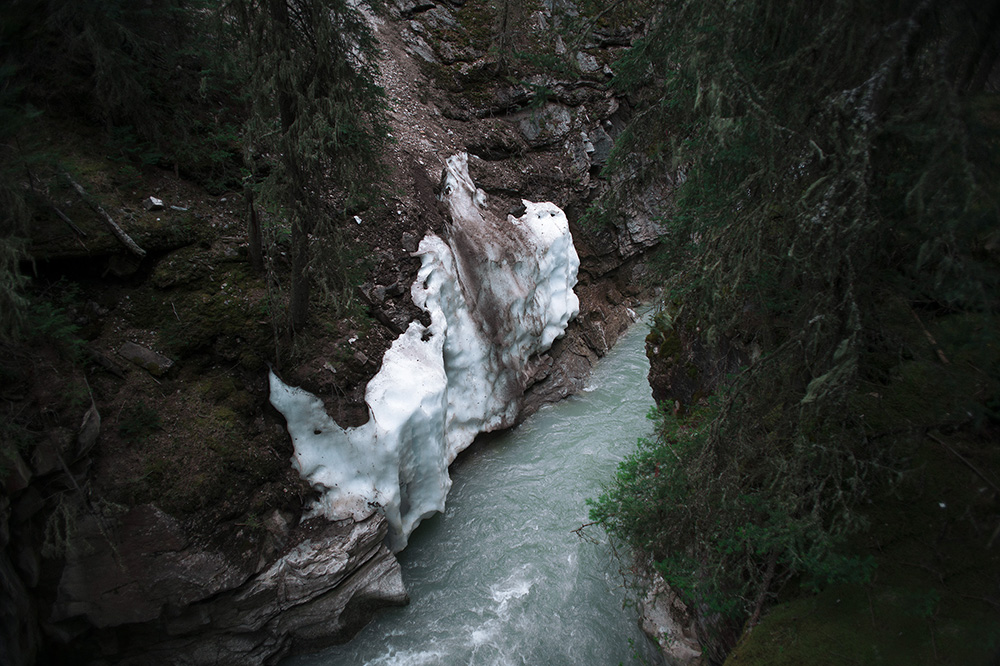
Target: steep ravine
{"x": 161, "y": 521}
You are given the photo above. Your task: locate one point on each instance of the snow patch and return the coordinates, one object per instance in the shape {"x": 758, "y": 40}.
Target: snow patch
{"x": 499, "y": 292}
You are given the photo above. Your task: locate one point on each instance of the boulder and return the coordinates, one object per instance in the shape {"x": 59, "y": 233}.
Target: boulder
{"x": 547, "y": 125}
{"x": 147, "y": 359}
{"x": 183, "y": 604}
{"x": 53, "y": 452}
{"x": 128, "y": 572}
{"x": 18, "y": 474}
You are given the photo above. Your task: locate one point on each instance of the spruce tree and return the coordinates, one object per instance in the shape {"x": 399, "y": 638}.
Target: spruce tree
{"x": 829, "y": 168}
{"x": 319, "y": 116}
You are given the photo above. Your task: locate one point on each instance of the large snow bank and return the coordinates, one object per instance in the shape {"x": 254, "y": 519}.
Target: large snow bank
{"x": 498, "y": 293}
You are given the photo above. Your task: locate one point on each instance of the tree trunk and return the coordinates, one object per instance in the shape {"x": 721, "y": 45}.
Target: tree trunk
{"x": 298, "y": 299}
{"x": 254, "y": 237}
{"x": 504, "y": 41}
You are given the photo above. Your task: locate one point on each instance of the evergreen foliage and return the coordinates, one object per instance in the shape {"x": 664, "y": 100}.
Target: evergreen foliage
{"x": 193, "y": 84}
{"x": 319, "y": 119}
{"x": 13, "y": 209}
{"x": 155, "y": 74}
{"x": 829, "y": 159}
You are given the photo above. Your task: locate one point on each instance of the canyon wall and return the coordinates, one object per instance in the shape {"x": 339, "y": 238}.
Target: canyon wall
{"x": 194, "y": 542}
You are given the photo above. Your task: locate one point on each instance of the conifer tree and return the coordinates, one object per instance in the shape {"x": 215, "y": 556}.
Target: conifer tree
{"x": 827, "y": 159}
{"x": 320, "y": 117}
{"x": 13, "y": 211}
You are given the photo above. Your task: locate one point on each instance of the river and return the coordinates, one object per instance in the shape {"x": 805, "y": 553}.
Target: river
{"x": 500, "y": 578}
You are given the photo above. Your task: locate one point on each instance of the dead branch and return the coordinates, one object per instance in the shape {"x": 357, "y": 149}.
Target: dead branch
{"x": 119, "y": 233}
{"x": 964, "y": 460}
{"x": 772, "y": 562}
{"x": 65, "y": 218}
{"x": 930, "y": 339}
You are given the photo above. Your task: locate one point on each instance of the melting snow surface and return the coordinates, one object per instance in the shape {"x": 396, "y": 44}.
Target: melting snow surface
{"x": 498, "y": 293}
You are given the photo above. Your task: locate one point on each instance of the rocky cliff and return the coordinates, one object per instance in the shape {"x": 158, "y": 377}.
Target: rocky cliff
{"x": 159, "y": 519}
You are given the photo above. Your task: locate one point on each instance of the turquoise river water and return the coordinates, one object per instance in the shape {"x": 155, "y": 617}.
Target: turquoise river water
{"x": 500, "y": 579}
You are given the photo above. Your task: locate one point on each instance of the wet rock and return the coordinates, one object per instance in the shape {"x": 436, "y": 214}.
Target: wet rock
{"x": 561, "y": 373}
{"x": 154, "y": 363}
{"x": 667, "y": 621}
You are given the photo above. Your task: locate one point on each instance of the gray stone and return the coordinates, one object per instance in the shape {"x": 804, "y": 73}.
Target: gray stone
{"x": 26, "y": 505}
{"x": 90, "y": 428}
{"x": 667, "y": 621}
{"x": 549, "y": 124}
{"x": 147, "y": 359}
{"x": 127, "y": 573}
{"x": 587, "y": 62}
{"x": 602, "y": 143}
{"x": 416, "y": 45}
{"x": 19, "y": 474}
{"x": 28, "y": 560}
{"x": 19, "y": 636}
{"x": 182, "y": 604}
{"x": 320, "y": 592}
{"x": 5, "y": 514}
{"x": 152, "y": 203}
{"x": 410, "y": 241}
{"x": 50, "y": 454}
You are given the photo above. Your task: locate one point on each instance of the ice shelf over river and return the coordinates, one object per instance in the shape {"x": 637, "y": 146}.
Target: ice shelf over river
{"x": 498, "y": 291}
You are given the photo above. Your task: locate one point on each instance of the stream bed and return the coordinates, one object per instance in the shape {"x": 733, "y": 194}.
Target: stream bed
{"x": 500, "y": 578}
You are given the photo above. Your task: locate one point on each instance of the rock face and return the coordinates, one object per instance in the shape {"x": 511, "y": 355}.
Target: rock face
{"x": 666, "y": 620}
{"x": 684, "y": 366}
{"x": 126, "y": 571}
{"x": 189, "y": 605}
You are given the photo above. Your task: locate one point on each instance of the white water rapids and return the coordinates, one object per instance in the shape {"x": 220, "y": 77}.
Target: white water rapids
{"x": 500, "y": 578}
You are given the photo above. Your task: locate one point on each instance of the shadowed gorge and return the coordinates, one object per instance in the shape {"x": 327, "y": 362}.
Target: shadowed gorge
{"x": 277, "y": 276}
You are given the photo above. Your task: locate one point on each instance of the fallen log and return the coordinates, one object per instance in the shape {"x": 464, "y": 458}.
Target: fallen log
{"x": 119, "y": 233}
